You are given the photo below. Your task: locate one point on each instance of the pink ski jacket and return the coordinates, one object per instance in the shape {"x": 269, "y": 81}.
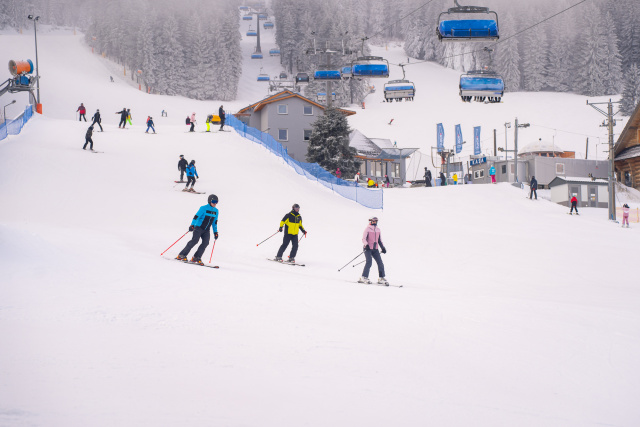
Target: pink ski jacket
{"x": 371, "y": 237}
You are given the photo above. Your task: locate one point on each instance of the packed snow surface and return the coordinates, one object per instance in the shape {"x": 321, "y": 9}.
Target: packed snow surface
{"x": 512, "y": 313}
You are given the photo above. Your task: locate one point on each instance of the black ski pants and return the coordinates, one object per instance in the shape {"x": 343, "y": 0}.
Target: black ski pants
{"x": 98, "y": 123}
{"x": 574, "y": 205}
{"x": 222, "y": 120}
{"x": 375, "y": 254}
{"x": 182, "y": 171}
{"x": 190, "y": 180}
{"x": 123, "y": 122}
{"x": 293, "y": 238}
{"x": 198, "y": 233}
{"x": 192, "y": 128}
{"x": 533, "y": 192}
{"x": 88, "y": 141}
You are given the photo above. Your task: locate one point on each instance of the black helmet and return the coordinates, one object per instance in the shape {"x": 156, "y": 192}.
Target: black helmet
{"x": 295, "y": 206}
{"x": 212, "y": 198}
{"x": 373, "y": 218}
{"x": 181, "y": 155}
{"x": 193, "y": 162}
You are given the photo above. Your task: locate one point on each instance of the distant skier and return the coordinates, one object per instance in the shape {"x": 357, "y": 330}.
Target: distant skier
{"x": 83, "y": 112}
{"x": 150, "y": 125}
{"x": 182, "y": 167}
{"x": 292, "y": 223}
{"x": 492, "y": 174}
{"x": 163, "y": 113}
{"x": 129, "y": 117}
{"x": 455, "y": 179}
{"x": 223, "y": 117}
{"x": 386, "y": 181}
{"x": 371, "y": 183}
{"x": 123, "y": 118}
{"x": 533, "y": 185}
{"x": 625, "y": 215}
{"x": 87, "y": 139}
{"x": 427, "y": 177}
{"x": 574, "y": 205}
{"x": 96, "y": 120}
{"x": 192, "y": 174}
{"x": 338, "y": 173}
{"x": 356, "y": 178}
{"x": 192, "y": 122}
{"x": 111, "y": 77}
{"x": 443, "y": 180}
{"x": 372, "y": 240}
{"x": 205, "y": 218}
{"x": 208, "y": 122}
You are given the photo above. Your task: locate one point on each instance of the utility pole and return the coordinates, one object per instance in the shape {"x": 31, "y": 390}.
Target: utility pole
{"x": 515, "y": 131}
{"x": 506, "y": 155}
{"x": 35, "y": 35}
{"x": 328, "y": 82}
{"x": 609, "y": 123}
{"x": 495, "y": 143}
{"x": 586, "y": 151}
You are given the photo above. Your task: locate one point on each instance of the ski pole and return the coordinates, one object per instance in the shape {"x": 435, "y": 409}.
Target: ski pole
{"x": 351, "y": 260}
{"x": 214, "y": 246}
{"x": 303, "y": 236}
{"x": 175, "y": 242}
{"x": 358, "y": 263}
{"x": 268, "y": 238}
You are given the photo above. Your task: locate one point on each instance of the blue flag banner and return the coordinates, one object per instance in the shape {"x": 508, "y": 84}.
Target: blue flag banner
{"x": 458, "y": 139}
{"x": 476, "y": 140}
{"x": 440, "y": 137}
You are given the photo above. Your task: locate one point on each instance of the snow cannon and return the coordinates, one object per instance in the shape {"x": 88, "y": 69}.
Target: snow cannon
{"x": 18, "y": 68}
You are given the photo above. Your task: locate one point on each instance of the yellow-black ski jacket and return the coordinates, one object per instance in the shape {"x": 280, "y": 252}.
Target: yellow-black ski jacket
{"x": 292, "y": 223}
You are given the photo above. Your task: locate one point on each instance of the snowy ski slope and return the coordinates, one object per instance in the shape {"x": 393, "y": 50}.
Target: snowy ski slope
{"x": 512, "y": 312}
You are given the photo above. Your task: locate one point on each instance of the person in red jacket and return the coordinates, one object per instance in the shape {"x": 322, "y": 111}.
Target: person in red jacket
{"x": 82, "y": 111}
{"x": 574, "y": 205}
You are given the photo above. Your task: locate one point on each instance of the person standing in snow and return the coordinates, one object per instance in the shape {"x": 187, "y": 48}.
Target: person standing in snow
{"x": 292, "y": 223}
{"x": 96, "y": 120}
{"x": 427, "y": 177}
{"x": 625, "y": 214}
{"x": 356, "y": 178}
{"x": 83, "y": 112}
{"x": 182, "y": 167}
{"x": 443, "y": 180}
{"x": 574, "y": 205}
{"x": 193, "y": 122}
{"x": 129, "y": 117}
{"x": 150, "y": 125}
{"x": 455, "y": 179}
{"x": 533, "y": 185}
{"x": 223, "y": 117}
{"x": 338, "y": 173}
{"x": 192, "y": 174}
{"x": 208, "y": 122}
{"x": 492, "y": 174}
{"x": 123, "y": 118}
{"x": 372, "y": 240}
{"x": 87, "y": 139}
{"x": 205, "y": 219}
{"x": 386, "y": 181}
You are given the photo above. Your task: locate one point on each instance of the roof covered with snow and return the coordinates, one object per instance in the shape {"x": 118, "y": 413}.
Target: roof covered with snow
{"x": 541, "y": 146}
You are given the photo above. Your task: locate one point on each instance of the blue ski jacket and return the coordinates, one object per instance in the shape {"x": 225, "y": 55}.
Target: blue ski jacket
{"x": 206, "y": 217}
{"x": 191, "y": 171}
{"x": 492, "y": 170}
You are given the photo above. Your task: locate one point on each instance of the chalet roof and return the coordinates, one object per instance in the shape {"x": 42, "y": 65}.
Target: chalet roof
{"x": 378, "y": 148}
{"x": 560, "y": 180}
{"x": 286, "y": 94}
{"x": 629, "y": 136}
{"x": 629, "y": 153}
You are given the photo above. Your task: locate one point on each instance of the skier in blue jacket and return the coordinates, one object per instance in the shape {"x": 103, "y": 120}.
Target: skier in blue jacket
{"x": 192, "y": 174}
{"x": 205, "y": 218}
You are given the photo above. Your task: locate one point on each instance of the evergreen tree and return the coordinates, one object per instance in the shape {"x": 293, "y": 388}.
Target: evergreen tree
{"x": 591, "y": 71}
{"x": 535, "y": 60}
{"x": 614, "y": 82}
{"x": 631, "y": 93}
{"x": 329, "y": 144}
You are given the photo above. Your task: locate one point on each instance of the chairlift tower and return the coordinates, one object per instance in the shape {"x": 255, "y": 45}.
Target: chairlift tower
{"x": 328, "y": 51}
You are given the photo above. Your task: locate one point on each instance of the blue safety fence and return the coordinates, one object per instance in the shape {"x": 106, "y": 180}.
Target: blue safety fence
{"x": 13, "y": 127}
{"x": 369, "y": 198}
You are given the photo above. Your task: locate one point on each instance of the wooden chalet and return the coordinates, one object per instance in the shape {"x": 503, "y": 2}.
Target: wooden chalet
{"x": 627, "y": 152}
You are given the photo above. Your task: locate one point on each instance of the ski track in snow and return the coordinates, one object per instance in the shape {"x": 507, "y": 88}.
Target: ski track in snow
{"x": 512, "y": 312}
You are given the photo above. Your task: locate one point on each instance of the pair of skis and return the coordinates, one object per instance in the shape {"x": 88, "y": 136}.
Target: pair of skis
{"x": 286, "y": 262}
{"x": 193, "y": 263}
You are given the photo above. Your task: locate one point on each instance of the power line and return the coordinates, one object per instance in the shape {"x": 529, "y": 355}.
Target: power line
{"x": 400, "y": 19}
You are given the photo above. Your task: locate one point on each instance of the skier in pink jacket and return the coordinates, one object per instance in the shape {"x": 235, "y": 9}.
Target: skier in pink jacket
{"x": 372, "y": 241}
{"x": 625, "y": 215}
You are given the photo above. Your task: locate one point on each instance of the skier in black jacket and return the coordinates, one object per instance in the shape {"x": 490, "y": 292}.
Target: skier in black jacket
{"x": 534, "y": 187}
{"x": 182, "y": 167}
{"x": 123, "y": 117}
{"x": 96, "y": 119}
{"x": 87, "y": 139}
{"x": 443, "y": 180}
{"x": 427, "y": 177}
{"x": 223, "y": 117}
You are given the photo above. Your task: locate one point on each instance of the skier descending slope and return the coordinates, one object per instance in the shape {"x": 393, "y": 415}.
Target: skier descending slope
{"x": 192, "y": 174}
{"x": 372, "y": 240}
{"x": 205, "y": 218}
{"x": 292, "y": 223}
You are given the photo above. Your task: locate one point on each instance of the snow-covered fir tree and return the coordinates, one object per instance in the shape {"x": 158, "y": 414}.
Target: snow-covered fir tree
{"x": 329, "y": 143}
{"x": 613, "y": 77}
{"x": 534, "y": 66}
{"x": 592, "y": 66}
{"x": 631, "y": 92}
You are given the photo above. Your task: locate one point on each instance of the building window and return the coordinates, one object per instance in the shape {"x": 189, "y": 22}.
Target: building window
{"x": 307, "y": 110}
{"x": 478, "y": 174}
{"x": 363, "y": 168}
{"x": 504, "y": 169}
{"x": 283, "y": 134}
{"x": 307, "y": 134}
{"x": 395, "y": 170}
{"x": 559, "y": 168}
{"x": 283, "y": 109}
{"x": 376, "y": 169}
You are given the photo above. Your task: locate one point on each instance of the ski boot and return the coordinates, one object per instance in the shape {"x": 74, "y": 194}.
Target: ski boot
{"x": 197, "y": 261}
{"x": 291, "y": 260}
{"x": 383, "y": 281}
{"x": 364, "y": 280}
{"x": 185, "y": 189}
{"x": 181, "y": 258}
{"x": 278, "y": 258}
{"x": 191, "y": 190}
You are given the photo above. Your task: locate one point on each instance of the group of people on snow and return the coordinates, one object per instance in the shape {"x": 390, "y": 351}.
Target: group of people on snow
{"x": 190, "y": 169}
{"x": 191, "y": 120}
